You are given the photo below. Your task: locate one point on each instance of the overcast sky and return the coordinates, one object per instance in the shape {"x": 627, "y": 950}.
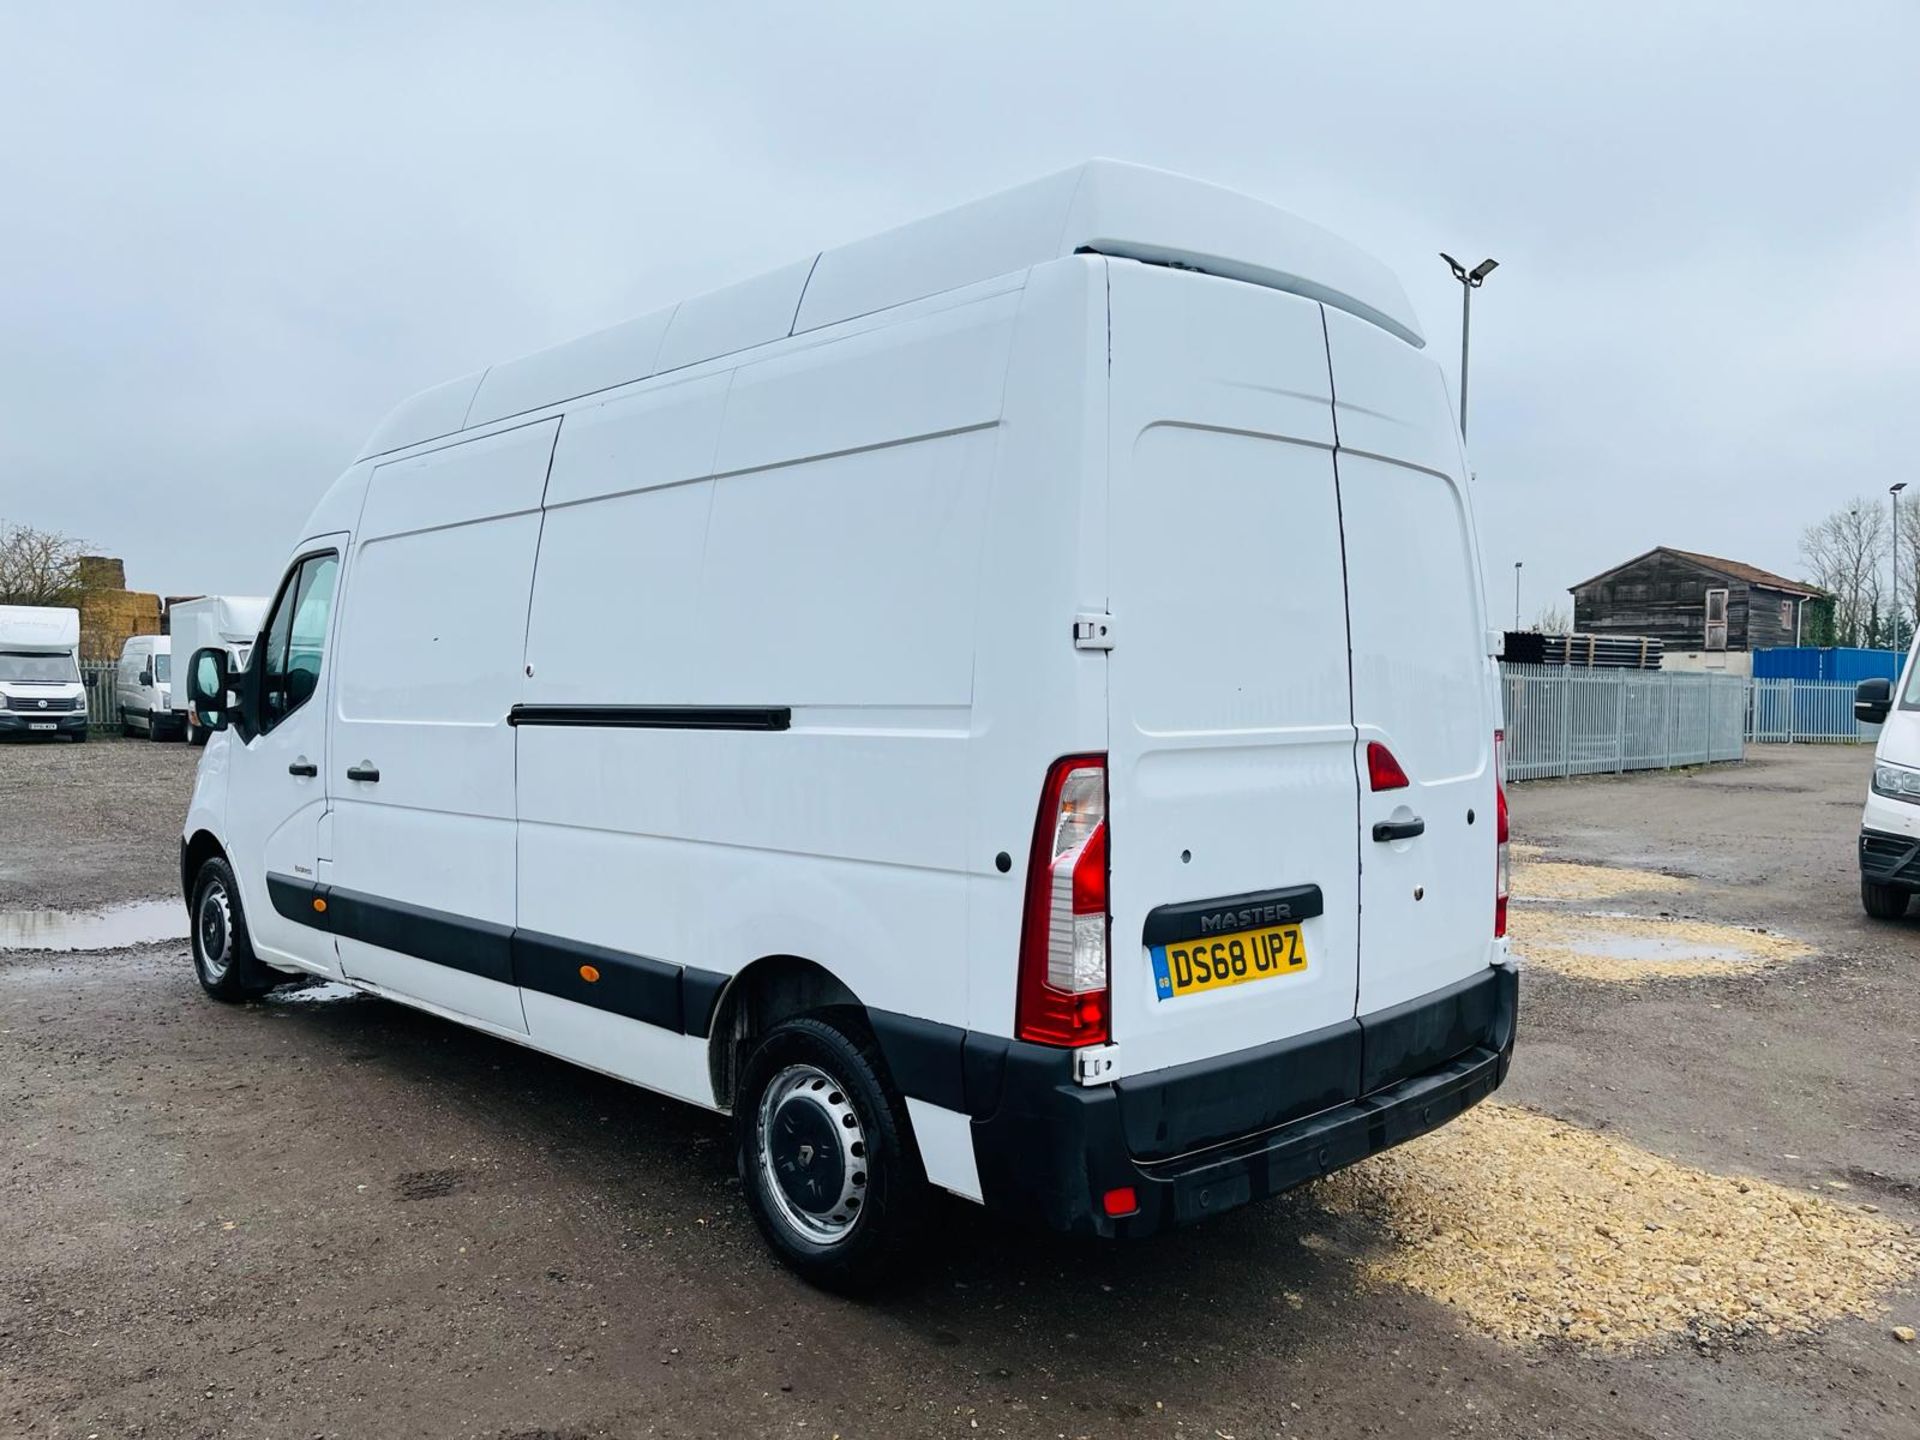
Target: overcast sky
{"x": 231, "y": 240}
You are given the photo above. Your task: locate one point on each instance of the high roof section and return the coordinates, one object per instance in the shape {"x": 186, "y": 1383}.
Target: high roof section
{"x": 1102, "y": 206}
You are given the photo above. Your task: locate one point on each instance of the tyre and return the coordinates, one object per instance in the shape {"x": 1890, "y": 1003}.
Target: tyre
{"x": 80, "y": 736}
{"x": 223, "y": 956}
{"x": 195, "y": 735}
{"x": 153, "y": 727}
{"x": 826, "y": 1153}
{"x": 1883, "y": 902}
{"x": 126, "y": 725}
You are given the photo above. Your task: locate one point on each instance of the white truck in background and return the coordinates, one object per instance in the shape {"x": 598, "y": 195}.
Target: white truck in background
{"x": 40, "y": 689}
{"x": 231, "y": 622}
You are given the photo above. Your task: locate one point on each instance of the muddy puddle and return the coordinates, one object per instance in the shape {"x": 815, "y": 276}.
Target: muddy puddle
{"x": 141, "y": 922}
{"x": 1633, "y": 948}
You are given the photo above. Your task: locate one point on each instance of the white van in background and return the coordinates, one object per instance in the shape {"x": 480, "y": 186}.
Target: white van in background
{"x": 229, "y": 621}
{"x": 40, "y": 689}
{"x": 1005, "y": 704}
{"x": 1890, "y": 824}
{"x": 142, "y": 690}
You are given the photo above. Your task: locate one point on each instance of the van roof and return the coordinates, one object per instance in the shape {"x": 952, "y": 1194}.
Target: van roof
{"x": 1102, "y": 206}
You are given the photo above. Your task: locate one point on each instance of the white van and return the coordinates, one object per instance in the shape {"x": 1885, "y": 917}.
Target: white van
{"x": 1890, "y": 825}
{"x": 230, "y": 621}
{"x": 1005, "y": 704}
{"x": 40, "y": 689}
{"x": 143, "y": 691}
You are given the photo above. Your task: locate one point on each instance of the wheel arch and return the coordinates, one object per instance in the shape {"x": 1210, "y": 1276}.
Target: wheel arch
{"x": 195, "y": 851}
{"x": 771, "y": 989}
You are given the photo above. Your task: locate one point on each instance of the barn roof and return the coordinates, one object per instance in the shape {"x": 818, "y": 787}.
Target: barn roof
{"x": 1732, "y": 569}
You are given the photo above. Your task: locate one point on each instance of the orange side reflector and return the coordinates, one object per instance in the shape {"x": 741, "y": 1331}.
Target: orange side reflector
{"x": 589, "y": 974}
{"x": 319, "y": 905}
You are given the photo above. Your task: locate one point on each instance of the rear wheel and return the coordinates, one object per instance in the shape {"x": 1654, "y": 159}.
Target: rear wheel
{"x": 223, "y": 955}
{"x": 1883, "y": 902}
{"x": 826, "y": 1153}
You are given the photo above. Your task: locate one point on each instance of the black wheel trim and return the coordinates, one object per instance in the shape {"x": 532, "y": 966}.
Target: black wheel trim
{"x": 213, "y": 932}
{"x": 805, "y": 1153}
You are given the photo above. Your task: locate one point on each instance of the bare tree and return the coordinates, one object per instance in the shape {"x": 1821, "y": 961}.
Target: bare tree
{"x": 1907, "y": 603}
{"x": 1553, "y": 620}
{"x": 1845, "y": 553}
{"x": 38, "y": 567}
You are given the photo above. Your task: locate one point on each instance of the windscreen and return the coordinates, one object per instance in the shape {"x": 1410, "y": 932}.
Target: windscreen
{"x": 24, "y": 667}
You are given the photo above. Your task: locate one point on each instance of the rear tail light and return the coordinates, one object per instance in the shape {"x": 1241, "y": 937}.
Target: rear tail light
{"x": 1062, "y": 998}
{"x": 1500, "y": 871}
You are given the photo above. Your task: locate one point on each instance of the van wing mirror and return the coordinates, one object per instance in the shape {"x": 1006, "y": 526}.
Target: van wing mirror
{"x": 146, "y": 676}
{"x": 208, "y": 687}
{"x": 1872, "y": 699}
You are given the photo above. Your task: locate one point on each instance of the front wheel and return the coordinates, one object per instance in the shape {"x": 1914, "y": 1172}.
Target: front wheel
{"x": 1883, "y": 902}
{"x": 223, "y": 955}
{"x": 826, "y": 1153}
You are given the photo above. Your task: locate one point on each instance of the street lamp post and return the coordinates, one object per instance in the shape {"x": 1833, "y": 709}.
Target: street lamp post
{"x": 1470, "y": 281}
{"x": 1894, "y": 491}
{"x": 1516, "y": 593}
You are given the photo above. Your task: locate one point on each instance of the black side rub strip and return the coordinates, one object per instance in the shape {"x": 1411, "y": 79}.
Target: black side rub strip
{"x": 1197, "y": 919}
{"x": 656, "y": 717}
{"x": 679, "y": 998}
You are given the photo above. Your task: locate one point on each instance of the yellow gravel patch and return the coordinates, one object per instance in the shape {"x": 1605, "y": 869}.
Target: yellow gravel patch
{"x": 1555, "y": 880}
{"x": 1636, "y": 948}
{"x": 1538, "y": 1231}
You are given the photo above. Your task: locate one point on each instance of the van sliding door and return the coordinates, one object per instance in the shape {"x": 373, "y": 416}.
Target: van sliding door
{"x": 422, "y": 759}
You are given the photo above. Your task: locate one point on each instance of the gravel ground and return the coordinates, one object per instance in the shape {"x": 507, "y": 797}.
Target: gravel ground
{"x": 91, "y": 825}
{"x": 326, "y": 1215}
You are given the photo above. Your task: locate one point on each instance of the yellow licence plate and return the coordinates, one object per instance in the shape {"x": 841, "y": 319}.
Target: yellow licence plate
{"x": 1186, "y": 966}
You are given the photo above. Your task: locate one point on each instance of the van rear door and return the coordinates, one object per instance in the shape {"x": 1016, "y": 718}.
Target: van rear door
{"x": 1233, "y": 798}
{"x": 1423, "y": 684}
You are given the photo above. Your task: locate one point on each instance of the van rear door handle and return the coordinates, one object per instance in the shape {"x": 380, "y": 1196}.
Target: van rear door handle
{"x": 303, "y": 766}
{"x": 365, "y": 770}
{"x": 1399, "y": 829}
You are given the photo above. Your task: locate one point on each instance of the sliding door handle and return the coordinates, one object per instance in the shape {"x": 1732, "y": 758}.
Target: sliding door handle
{"x": 303, "y": 766}
{"x": 365, "y": 770}
{"x": 1400, "y": 829}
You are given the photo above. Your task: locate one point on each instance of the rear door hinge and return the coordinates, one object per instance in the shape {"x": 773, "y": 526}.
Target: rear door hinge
{"x": 1093, "y": 631}
{"x": 1096, "y": 1064}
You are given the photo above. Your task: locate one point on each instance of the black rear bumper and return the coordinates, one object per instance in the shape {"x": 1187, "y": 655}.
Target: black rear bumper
{"x": 1198, "y": 1139}
{"x": 1889, "y": 859}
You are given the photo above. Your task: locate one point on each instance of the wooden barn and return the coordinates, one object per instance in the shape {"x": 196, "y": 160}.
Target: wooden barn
{"x": 1702, "y": 609}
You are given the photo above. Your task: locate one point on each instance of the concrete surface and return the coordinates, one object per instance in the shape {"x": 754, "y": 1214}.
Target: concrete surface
{"x": 327, "y": 1216}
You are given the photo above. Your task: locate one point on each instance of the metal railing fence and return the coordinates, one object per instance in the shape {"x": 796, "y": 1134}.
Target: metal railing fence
{"x": 1567, "y": 721}
{"x": 1791, "y": 712}
{"x": 101, "y": 677}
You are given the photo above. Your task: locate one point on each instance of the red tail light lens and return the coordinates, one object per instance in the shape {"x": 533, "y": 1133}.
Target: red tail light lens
{"x": 1383, "y": 771}
{"x": 1063, "y": 988}
{"x": 1500, "y": 873}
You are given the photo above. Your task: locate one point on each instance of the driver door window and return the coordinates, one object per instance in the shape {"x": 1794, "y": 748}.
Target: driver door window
{"x": 296, "y": 637}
